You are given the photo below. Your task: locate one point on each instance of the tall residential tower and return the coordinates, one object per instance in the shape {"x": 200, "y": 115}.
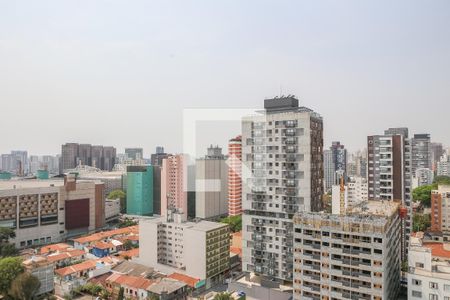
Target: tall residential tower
{"x": 282, "y": 164}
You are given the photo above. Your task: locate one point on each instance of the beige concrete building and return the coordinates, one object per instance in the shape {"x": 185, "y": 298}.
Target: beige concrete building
{"x": 211, "y": 185}
{"x": 352, "y": 256}
{"x": 47, "y": 211}
{"x": 200, "y": 250}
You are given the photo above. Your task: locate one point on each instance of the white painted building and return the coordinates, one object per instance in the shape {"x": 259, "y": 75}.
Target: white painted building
{"x": 429, "y": 272}
{"x": 357, "y": 190}
{"x": 199, "y": 250}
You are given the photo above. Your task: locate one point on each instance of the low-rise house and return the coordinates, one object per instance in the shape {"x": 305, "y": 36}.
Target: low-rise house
{"x": 168, "y": 289}
{"x": 129, "y": 254}
{"x": 63, "y": 259}
{"x": 90, "y": 240}
{"x": 134, "y": 269}
{"x": 42, "y": 269}
{"x": 103, "y": 249}
{"x": 54, "y": 248}
{"x": 71, "y": 277}
{"x": 134, "y": 287}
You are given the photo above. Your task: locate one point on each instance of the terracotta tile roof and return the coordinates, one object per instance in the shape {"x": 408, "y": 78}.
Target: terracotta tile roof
{"x": 106, "y": 234}
{"x": 103, "y": 245}
{"x": 54, "y": 247}
{"x": 84, "y": 266}
{"x": 236, "y": 250}
{"x": 130, "y": 281}
{"x": 65, "y": 255}
{"x": 130, "y": 253}
{"x": 190, "y": 281}
{"x": 438, "y": 250}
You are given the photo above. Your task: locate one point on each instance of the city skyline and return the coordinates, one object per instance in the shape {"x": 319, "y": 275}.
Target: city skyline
{"x": 126, "y": 83}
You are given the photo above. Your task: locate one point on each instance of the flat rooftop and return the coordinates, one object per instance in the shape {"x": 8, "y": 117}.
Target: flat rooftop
{"x": 200, "y": 226}
{"x": 35, "y": 183}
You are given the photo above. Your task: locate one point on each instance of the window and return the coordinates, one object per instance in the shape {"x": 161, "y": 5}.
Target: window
{"x": 419, "y": 265}
{"x": 416, "y": 282}
{"x": 433, "y": 285}
{"x": 433, "y": 297}
{"x": 447, "y": 287}
{"x": 417, "y": 294}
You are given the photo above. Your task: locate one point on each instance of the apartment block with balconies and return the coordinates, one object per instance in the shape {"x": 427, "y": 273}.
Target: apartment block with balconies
{"x": 352, "y": 256}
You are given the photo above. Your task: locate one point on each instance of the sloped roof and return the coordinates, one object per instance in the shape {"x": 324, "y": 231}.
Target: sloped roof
{"x": 190, "y": 281}
{"x": 130, "y": 281}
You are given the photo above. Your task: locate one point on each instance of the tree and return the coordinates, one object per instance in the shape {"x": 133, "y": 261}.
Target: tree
{"x": 126, "y": 223}
{"x": 423, "y": 194}
{"x": 421, "y": 222}
{"x": 235, "y": 223}
{"x": 444, "y": 180}
{"x": 122, "y": 196}
{"x": 128, "y": 245}
{"x": 10, "y": 268}
{"x": 121, "y": 292}
{"x": 6, "y": 248}
{"x": 223, "y": 296}
{"x": 25, "y": 287}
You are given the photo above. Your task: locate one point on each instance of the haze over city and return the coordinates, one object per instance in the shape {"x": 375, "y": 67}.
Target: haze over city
{"x": 120, "y": 73}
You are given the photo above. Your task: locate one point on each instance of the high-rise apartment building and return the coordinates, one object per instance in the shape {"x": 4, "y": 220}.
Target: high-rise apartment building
{"x": 200, "y": 250}
{"x": 390, "y": 176}
{"x": 140, "y": 190}
{"x": 357, "y": 190}
{"x": 174, "y": 185}
{"x": 211, "y": 185}
{"x": 235, "y": 176}
{"x": 422, "y": 176}
{"x": 421, "y": 156}
{"x": 100, "y": 157}
{"x": 440, "y": 211}
{"x": 282, "y": 163}
{"x": 350, "y": 256}
{"x": 16, "y": 163}
{"x": 134, "y": 153}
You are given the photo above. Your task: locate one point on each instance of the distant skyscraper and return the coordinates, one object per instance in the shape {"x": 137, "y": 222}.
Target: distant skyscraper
{"x": 109, "y": 158}
{"x": 335, "y": 164}
{"x": 282, "y": 161}
{"x": 140, "y": 190}
{"x": 235, "y": 176}
{"x": 390, "y": 176}
{"x": 443, "y": 166}
{"x": 173, "y": 185}
{"x": 211, "y": 185}
{"x": 73, "y": 154}
{"x": 157, "y": 158}
{"x": 134, "y": 153}
{"x": 437, "y": 150}
{"x": 20, "y": 162}
{"x": 329, "y": 169}
{"x": 421, "y": 152}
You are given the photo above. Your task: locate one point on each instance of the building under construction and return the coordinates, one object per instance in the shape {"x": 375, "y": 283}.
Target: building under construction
{"x": 355, "y": 255}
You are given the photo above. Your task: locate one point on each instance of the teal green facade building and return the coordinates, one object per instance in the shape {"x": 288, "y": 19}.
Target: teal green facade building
{"x": 140, "y": 190}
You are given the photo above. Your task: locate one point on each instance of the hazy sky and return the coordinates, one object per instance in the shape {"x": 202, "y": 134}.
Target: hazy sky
{"x": 121, "y": 72}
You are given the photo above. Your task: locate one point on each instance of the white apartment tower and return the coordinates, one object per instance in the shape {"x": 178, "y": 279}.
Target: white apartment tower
{"x": 282, "y": 171}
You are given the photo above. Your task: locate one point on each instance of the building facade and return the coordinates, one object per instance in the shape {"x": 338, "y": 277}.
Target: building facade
{"x": 389, "y": 173}
{"x": 353, "y": 256}
{"x": 235, "y": 176}
{"x": 174, "y": 185}
{"x": 440, "y": 210}
{"x": 200, "y": 250}
{"x": 140, "y": 190}
{"x": 429, "y": 272}
{"x": 282, "y": 174}
{"x": 134, "y": 153}
{"x": 48, "y": 211}
{"x": 443, "y": 165}
{"x": 211, "y": 185}
{"x": 100, "y": 157}
{"x": 421, "y": 156}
